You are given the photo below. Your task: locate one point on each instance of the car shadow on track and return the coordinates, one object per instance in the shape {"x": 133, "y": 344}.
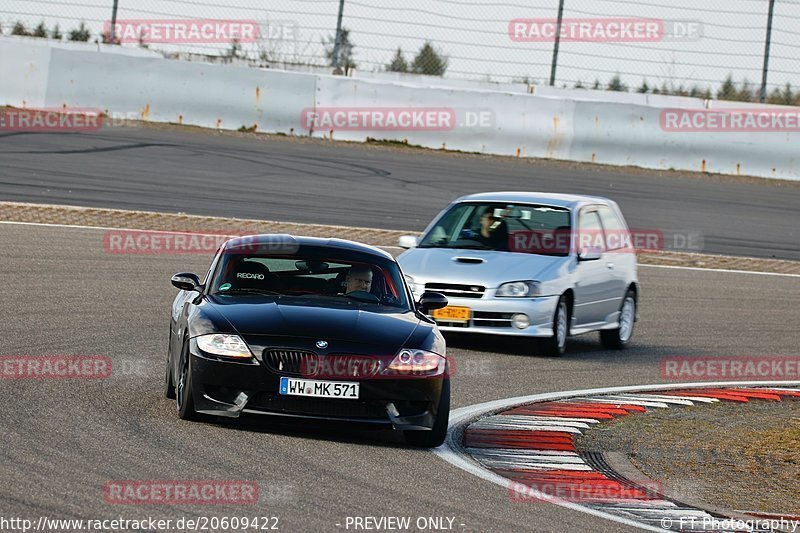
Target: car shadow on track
{"x": 318, "y": 430}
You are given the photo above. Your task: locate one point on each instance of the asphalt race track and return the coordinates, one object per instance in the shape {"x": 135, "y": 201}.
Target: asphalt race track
{"x": 353, "y": 185}
{"x": 62, "y": 441}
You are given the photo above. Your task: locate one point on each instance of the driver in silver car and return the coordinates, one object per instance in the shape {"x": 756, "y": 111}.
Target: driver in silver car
{"x": 493, "y": 232}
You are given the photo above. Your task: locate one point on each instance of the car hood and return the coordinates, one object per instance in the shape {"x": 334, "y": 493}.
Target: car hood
{"x": 345, "y": 320}
{"x": 478, "y": 267}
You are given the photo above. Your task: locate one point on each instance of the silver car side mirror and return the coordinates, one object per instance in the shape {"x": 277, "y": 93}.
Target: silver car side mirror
{"x": 408, "y": 241}
{"x": 589, "y": 253}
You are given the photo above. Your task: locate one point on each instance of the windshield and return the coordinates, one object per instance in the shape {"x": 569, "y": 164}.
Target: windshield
{"x": 310, "y": 275}
{"x": 533, "y": 229}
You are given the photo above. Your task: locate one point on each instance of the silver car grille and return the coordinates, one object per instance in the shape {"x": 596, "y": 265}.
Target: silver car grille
{"x": 457, "y": 291}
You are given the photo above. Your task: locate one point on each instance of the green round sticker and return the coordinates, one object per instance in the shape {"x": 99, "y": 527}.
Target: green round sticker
{"x": 225, "y": 286}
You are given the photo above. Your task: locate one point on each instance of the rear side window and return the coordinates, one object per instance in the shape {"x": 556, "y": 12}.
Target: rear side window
{"x": 616, "y": 233}
{"x": 590, "y": 231}
{"x": 610, "y": 219}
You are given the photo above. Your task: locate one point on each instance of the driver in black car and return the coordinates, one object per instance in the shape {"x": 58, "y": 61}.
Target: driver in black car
{"x": 359, "y": 278}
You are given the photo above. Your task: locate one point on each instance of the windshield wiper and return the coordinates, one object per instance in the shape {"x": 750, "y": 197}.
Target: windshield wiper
{"x": 473, "y": 247}
{"x": 456, "y": 246}
{"x": 248, "y": 290}
{"x": 438, "y": 244}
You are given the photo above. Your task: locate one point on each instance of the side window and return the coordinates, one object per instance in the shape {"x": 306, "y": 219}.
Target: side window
{"x": 616, "y": 234}
{"x": 590, "y": 231}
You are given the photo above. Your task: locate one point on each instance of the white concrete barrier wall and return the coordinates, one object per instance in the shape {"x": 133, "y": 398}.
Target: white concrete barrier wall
{"x": 214, "y": 96}
{"x": 516, "y": 121}
{"x": 619, "y": 134}
{"x": 23, "y": 73}
{"x": 229, "y": 97}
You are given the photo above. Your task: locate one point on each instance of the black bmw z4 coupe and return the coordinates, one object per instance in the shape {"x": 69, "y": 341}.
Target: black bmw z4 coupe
{"x": 316, "y": 329}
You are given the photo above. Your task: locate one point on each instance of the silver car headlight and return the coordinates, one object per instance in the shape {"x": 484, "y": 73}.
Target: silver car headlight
{"x": 519, "y": 289}
{"x": 224, "y": 345}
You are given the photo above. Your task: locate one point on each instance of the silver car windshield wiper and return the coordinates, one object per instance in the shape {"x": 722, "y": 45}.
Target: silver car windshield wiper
{"x": 455, "y": 246}
{"x": 474, "y": 247}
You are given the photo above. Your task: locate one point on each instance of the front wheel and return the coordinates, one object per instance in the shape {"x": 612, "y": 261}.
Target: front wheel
{"x": 617, "y": 339}
{"x": 183, "y": 392}
{"x": 557, "y": 344}
{"x": 436, "y": 436}
{"x": 169, "y": 385}
{"x": 169, "y": 388}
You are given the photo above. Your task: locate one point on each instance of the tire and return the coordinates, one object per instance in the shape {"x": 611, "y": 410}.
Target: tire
{"x": 436, "y": 436}
{"x": 556, "y": 345}
{"x": 169, "y": 387}
{"x": 169, "y": 384}
{"x": 184, "y": 398}
{"x": 618, "y": 339}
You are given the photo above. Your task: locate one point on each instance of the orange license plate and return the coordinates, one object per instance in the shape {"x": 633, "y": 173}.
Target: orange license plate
{"x": 452, "y": 313}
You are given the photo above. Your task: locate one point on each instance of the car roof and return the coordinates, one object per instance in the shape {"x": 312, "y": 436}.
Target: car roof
{"x": 283, "y": 239}
{"x": 557, "y": 200}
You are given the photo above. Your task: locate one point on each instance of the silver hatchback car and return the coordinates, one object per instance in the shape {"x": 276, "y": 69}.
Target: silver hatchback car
{"x": 529, "y": 264}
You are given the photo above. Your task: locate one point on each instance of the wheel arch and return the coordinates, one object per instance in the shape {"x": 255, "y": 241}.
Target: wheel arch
{"x": 569, "y": 296}
{"x": 634, "y": 286}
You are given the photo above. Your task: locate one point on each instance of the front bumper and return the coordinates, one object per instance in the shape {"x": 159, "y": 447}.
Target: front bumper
{"x": 493, "y": 316}
{"x": 229, "y": 388}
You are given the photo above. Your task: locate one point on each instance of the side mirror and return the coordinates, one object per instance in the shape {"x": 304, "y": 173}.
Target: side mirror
{"x": 186, "y": 281}
{"x": 408, "y": 241}
{"x": 431, "y": 300}
{"x": 589, "y": 253}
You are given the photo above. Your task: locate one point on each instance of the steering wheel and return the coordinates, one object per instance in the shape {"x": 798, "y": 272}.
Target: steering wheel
{"x": 364, "y": 296}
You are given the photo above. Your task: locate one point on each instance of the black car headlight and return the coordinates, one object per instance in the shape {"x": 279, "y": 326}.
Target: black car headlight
{"x": 224, "y": 344}
{"x": 411, "y": 362}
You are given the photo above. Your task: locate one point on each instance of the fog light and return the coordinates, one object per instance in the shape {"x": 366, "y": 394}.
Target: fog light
{"x": 520, "y": 321}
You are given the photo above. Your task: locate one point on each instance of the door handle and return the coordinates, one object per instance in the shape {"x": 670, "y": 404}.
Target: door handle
{"x": 610, "y": 266}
